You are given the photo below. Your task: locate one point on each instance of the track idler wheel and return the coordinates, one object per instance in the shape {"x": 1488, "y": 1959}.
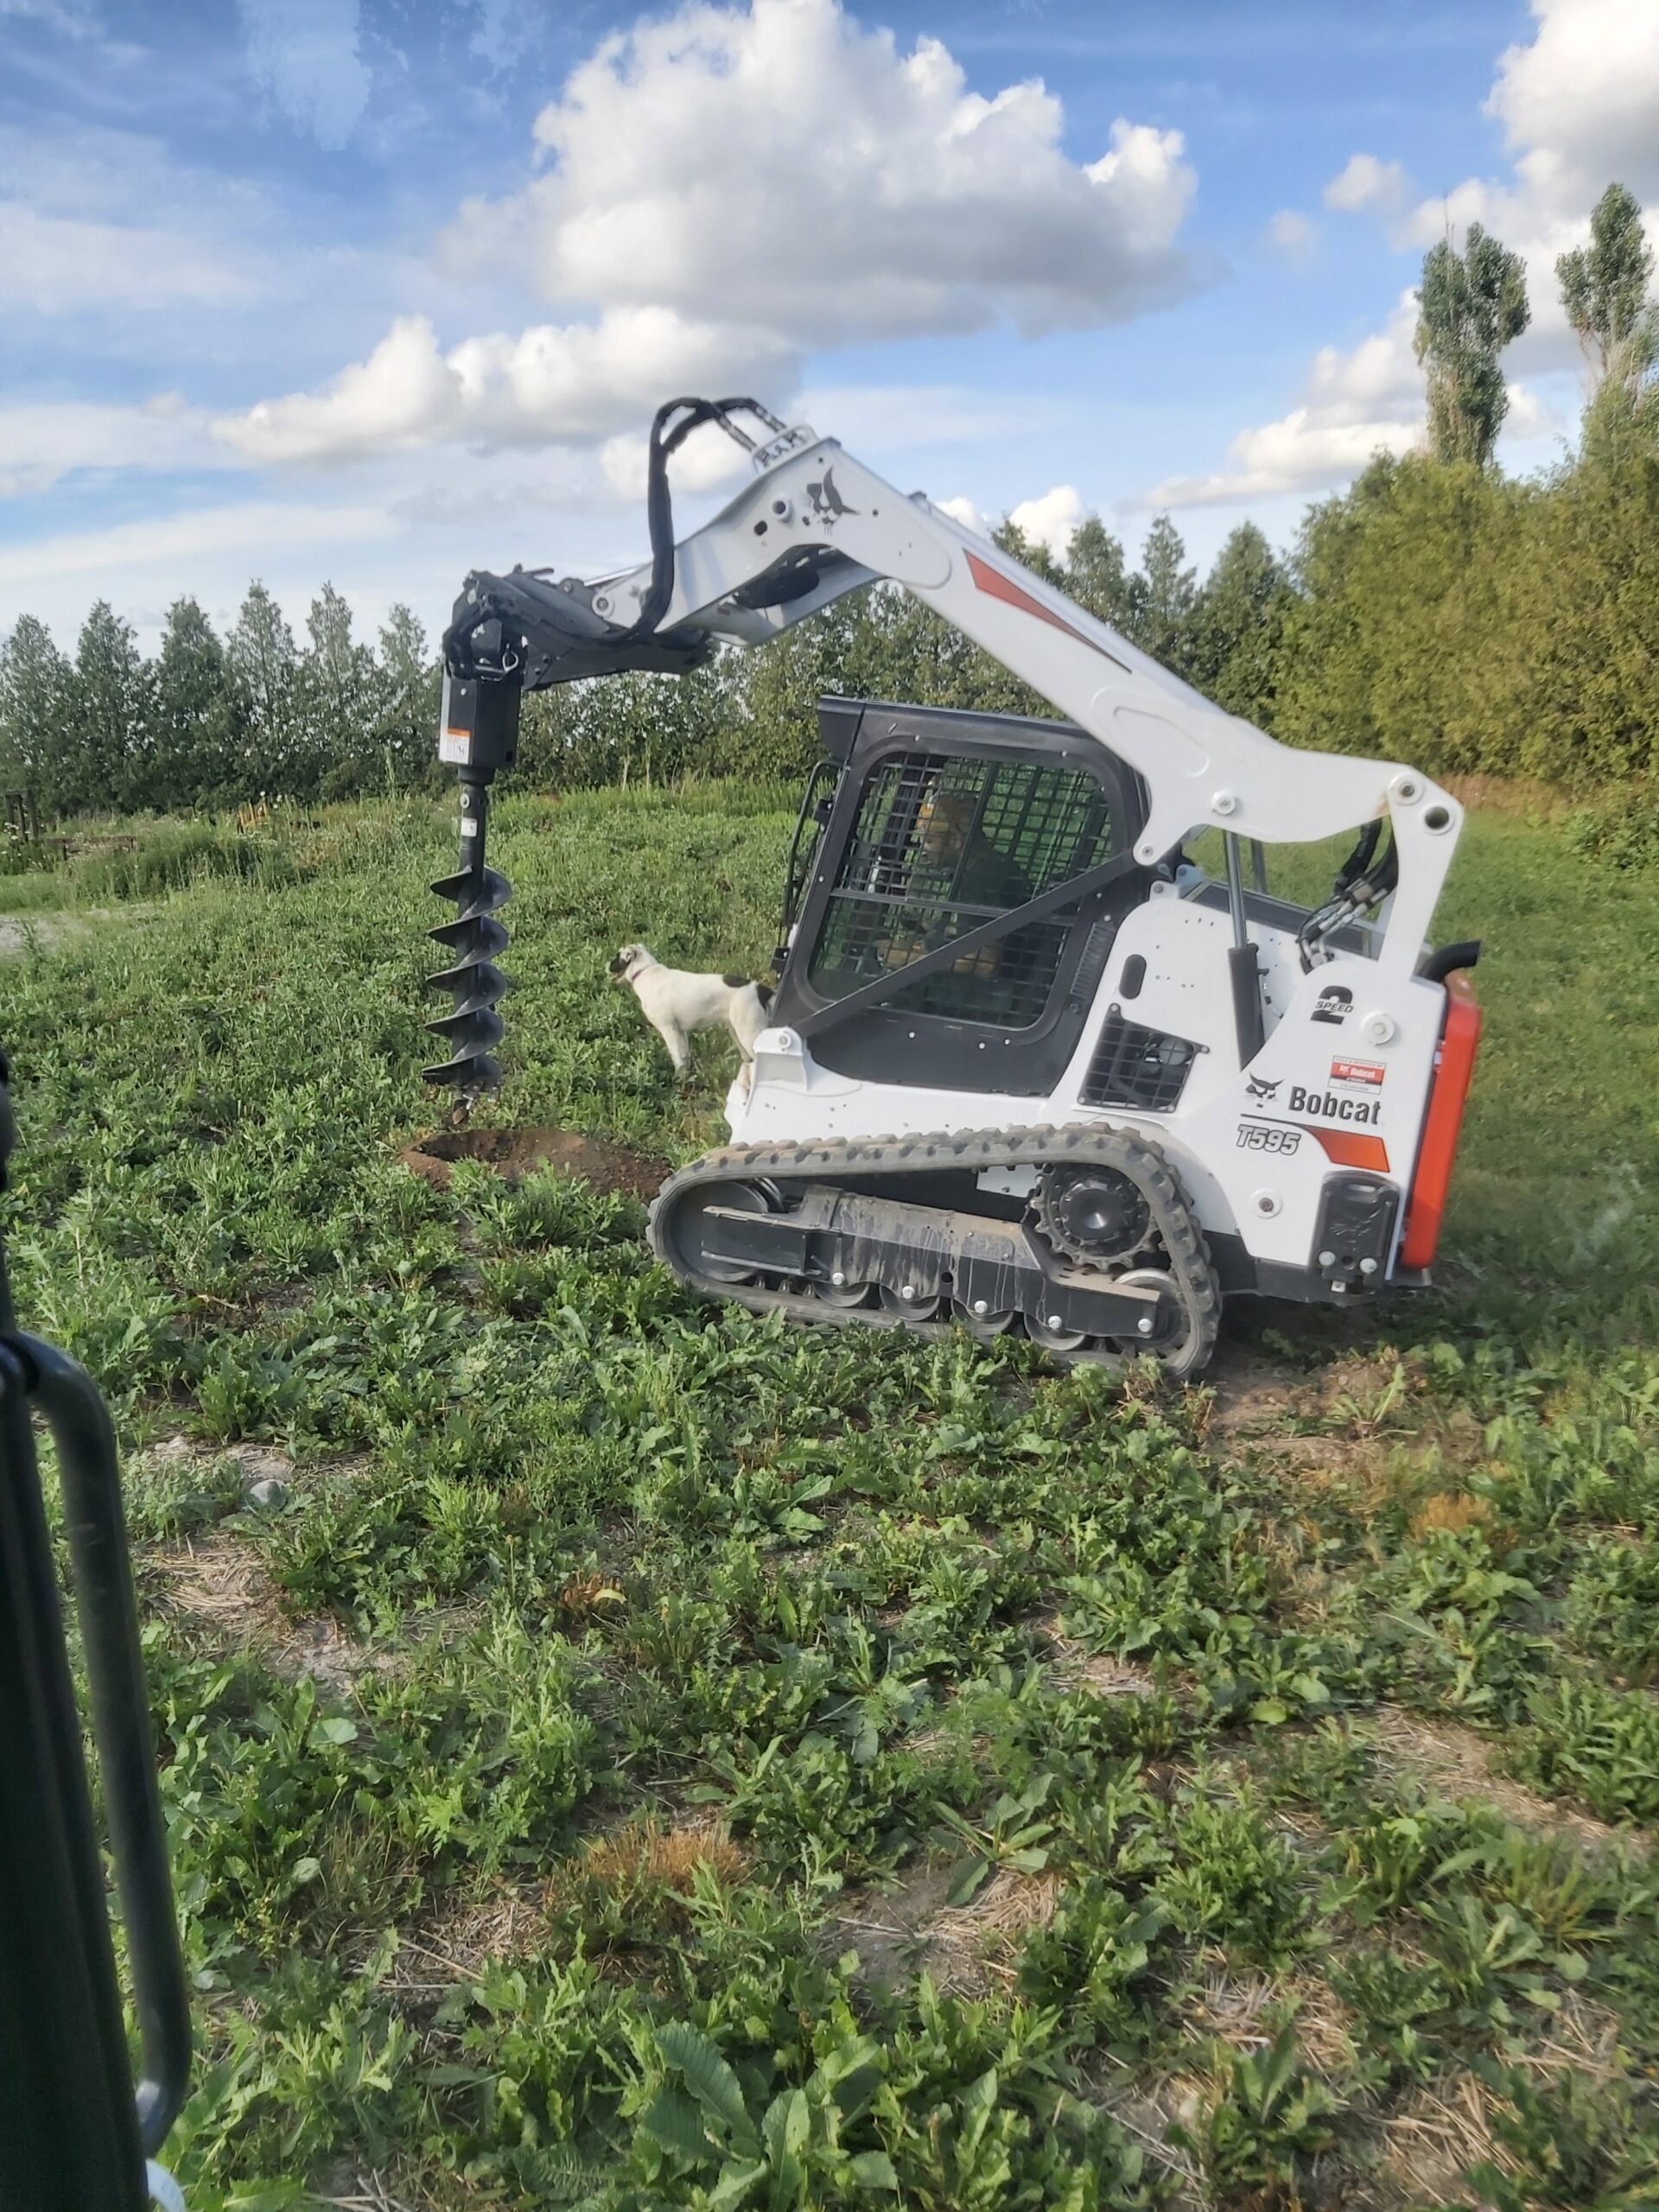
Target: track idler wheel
{"x": 1166, "y": 1323}
{"x": 1049, "y": 1332}
{"x": 980, "y": 1321}
{"x": 741, "y": 1198}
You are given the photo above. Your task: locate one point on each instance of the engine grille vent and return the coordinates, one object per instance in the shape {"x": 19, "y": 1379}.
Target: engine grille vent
{"x": 1146, "y": 1068}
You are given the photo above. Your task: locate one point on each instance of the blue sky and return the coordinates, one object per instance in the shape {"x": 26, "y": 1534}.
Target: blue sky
{"x": 377, "y": 290}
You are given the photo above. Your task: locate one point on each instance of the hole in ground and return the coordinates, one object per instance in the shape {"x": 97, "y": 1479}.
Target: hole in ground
{"x": 515, "y": 1153}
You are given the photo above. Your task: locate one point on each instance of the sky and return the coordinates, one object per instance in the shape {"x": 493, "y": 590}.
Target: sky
{"x": 377, "y": 291}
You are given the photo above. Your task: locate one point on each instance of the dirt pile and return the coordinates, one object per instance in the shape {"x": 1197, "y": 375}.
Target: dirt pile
{"x": 516, "y": 1153}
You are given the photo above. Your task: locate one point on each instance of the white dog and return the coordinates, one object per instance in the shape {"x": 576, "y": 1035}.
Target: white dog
{"x": 678, "y": 1003}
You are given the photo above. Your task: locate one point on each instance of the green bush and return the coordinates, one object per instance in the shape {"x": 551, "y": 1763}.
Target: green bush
{"x": 1623, "y": 833}
{"x": 175, "y": 854}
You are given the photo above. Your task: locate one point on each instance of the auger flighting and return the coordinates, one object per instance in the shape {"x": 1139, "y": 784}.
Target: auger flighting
{"x": 479, "y": 733}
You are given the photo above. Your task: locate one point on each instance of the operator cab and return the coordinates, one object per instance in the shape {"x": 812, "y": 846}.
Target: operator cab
{"x": 923, "y": 837}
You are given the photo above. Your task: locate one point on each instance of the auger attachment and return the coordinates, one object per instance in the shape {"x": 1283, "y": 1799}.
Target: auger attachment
{"x": 479, "y": 732}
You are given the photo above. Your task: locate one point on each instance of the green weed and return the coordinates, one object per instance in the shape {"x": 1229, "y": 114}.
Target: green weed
{"x": 695, "y": 1640}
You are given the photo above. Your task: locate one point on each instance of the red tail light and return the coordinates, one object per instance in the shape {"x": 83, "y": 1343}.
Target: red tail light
{"x": 1442, "y": 1124}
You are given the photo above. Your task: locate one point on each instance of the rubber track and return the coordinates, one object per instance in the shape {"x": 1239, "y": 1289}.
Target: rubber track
{"x": 1086, "y": 1145}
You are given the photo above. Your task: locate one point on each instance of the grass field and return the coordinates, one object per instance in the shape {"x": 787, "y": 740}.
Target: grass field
{"x": 638, "y": 1757}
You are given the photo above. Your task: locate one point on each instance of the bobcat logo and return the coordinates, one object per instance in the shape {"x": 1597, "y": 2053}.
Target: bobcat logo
{"x": 1262, "y": 1089}
{"x": 828, "y": 505}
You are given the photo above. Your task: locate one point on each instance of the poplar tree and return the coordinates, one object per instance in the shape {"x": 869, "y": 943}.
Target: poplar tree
{"x": 1604, "y": 292}
{"x": 263, "y": 665}
{"x": 1470, "y": 306}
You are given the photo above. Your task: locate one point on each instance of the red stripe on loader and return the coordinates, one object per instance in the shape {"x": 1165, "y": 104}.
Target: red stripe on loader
{"x": 1350, "y": 1150}
{"x": 995, "y": 585}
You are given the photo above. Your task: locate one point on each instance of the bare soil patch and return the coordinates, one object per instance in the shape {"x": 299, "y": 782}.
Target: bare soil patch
{"x": 1431, "y": 2140}
{"x": 1246, "y": 2010}
{"x": 1104, "y": 1674}
{"x": 257, "y": 1462}
{"x": 910, "y": 1928}
{"x": 456, "y": 1944}
{"x": 1248, "y": 1395}
{"x": 888, "y": 1927}
{"x": 224, "y": 1585}
{"x": 23, "y": 933}
{"x": 1454, "y": 1759}
{"x": 514, "y": 1153}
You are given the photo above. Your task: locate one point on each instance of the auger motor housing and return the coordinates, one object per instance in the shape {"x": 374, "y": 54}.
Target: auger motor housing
{"x": 478, "y": 733}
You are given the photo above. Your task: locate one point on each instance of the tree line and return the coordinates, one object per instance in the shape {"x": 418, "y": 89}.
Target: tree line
{"x": 209, "y": 723}
{"x": 1436, "y": 611}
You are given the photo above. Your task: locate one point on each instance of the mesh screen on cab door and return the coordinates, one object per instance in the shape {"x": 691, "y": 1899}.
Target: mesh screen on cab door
{"x": 942, "y": 845}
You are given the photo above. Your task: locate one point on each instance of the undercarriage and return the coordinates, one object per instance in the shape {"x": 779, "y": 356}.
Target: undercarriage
{"x": 1105, "y": 1261}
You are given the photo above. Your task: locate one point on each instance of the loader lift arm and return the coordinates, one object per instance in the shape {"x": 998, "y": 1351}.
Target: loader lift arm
{"x": 813, "y": 524}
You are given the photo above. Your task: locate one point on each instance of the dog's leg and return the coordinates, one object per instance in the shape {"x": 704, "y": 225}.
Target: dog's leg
{"x": 674, "y": 1038}
{"x": 746, "y": 1020}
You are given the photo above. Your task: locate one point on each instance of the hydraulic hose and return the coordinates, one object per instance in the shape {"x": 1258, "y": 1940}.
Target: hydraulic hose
{"x": 659, "y": 508}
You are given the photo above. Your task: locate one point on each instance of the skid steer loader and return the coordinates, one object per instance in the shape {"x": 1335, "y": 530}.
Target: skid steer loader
{"x": 1029, "y": 1067}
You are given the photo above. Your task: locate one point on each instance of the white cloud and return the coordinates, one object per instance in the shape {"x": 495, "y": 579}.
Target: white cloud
{"x": 1051, "y": 519}
{"x": 404, "y": 394}
{"x": 505, "y": 29}
{"x": 1367, "y": 182}
{"x": 878, "y": 418}
{"x": 130, "y": 547}
{"x": 1530, "y": 415}
{"x": 303, "y": 56}
{"x": 43, "y": 442}
{"x": 1292, "y": 234}
{"x": 57, "y": 264}
{"x": 816, "y": 182}
{"x": 1580, "y": 105}
{"x": 962, "y": 509}
{"x": 707, "y": 461}
{"x": 106, "y": 223}
{"x": 1580, "y": 108}
{"x": 573, "y": 383}
{"x": 730, "y": 185}
{"x": 68, "y": 22}
{"x": 1357, "y": 402}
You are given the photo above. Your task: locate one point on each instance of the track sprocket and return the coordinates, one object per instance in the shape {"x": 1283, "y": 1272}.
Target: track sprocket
{"x": 1097, "y": 1215}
